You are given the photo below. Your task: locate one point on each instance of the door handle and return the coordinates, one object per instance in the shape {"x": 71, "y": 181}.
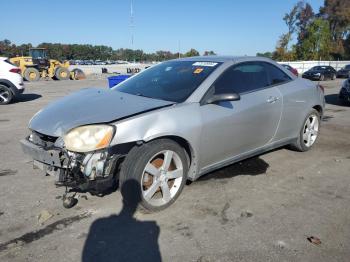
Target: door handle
{"x": 272, "y": 99}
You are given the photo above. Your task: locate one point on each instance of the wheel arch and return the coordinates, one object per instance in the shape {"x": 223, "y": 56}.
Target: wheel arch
{"x": 319, "y": 109}
{"x": 190, "y": 152}
{"x": 9, "y": 85}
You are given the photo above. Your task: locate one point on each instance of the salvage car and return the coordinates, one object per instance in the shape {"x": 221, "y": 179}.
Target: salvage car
{"x": 344, "y": 72}
{"x": 11, "y": 81}
{"x": 344, "y": 93}
{"x": 173, "y": 122}
{"x": 320, "y": 73}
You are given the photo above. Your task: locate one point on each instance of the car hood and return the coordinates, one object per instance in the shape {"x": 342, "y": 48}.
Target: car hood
{"x": 90, "y": 106}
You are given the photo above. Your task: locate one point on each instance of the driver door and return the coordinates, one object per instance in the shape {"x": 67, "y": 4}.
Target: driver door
{"x": 234, "y": 127}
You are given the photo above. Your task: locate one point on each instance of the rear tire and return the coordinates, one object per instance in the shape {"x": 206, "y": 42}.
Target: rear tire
{"x": 31, "y": 74}
{"x": 322, "y": 78}
{"x": 62, "y": 73}
{"x": 334, "y": 76}
{"x": 6, "y": 95}
{"x": 308, "y": 133}
{"x": 159, "y": 171}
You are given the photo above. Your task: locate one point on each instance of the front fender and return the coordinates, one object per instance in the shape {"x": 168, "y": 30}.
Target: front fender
{"x": 183, "y": 121}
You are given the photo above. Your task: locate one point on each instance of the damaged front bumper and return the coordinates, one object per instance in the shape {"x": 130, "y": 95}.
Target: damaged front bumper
{"x": 86, "y": 172}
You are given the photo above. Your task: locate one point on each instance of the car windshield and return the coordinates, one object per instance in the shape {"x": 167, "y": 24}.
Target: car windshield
{"x": 318, "y": 68}
{"x": 171, "y": 81}
{"x": 347, "y": 67}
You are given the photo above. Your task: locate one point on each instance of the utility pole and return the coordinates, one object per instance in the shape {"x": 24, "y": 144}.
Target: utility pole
{"x": 179, "y": 49}
{"x": 132, "y": 26}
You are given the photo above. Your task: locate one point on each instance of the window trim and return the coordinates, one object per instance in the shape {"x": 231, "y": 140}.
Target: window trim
{"x": 204, "y": 98}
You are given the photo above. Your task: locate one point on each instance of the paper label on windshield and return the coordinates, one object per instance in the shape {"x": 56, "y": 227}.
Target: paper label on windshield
{"x": 198, "y": 70}
{"x": 210, "y": 64}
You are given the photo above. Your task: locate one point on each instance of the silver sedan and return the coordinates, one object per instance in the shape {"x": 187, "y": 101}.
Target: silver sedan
{"x": 173, "y": 122}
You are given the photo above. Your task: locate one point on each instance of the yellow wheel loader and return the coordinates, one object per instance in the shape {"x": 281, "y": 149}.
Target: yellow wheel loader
{"x": 37, "y": 65}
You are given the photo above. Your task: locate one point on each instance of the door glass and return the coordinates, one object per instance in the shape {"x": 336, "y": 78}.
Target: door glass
{"x": 242, "y": 78}
{"x": 277, "y": 76}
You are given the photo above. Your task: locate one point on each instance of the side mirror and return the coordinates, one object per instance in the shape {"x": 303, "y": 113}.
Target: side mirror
{"x": 223, "y": 97}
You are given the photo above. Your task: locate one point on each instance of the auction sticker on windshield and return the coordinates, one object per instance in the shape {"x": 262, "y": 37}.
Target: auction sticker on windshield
{"x": 210, "y": 64}
{"x": 198, "y": 70}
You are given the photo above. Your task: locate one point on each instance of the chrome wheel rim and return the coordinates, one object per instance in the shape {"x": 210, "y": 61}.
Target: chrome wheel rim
{"x": 311, "y": 130}
{"x": 4, "y": 95}
{"x": 161, "y": 178}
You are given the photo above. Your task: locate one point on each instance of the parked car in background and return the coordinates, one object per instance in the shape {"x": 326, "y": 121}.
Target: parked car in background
{"x": 344, "y": 94}
{"x": 11, "y": 81}
{"x": 344, "y": 72}
{"x": 293, "y": 70}
{"x": 320, "y": 73}
{"x": 173, "y": 122}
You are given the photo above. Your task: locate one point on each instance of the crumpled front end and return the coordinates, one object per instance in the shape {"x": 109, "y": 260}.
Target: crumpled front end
{"x": 93, "y": 172}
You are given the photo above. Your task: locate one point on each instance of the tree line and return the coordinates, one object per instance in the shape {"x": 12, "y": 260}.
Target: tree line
{"x": 310, "y": 35}
{"x": 92, "y": 52}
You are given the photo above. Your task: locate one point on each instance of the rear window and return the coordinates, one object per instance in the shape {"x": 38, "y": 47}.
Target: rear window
{"x": 319, "y": 68}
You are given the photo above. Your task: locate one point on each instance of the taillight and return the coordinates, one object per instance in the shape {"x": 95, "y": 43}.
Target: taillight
{"x": 15, "y": 70}
{"x": 321, "y": 87}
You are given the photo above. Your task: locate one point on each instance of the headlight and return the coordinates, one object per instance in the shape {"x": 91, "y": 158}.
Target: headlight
{"x": 88, "y": 138}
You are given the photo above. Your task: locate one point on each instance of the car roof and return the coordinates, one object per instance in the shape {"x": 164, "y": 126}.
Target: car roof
{"x": 222, "y": 59}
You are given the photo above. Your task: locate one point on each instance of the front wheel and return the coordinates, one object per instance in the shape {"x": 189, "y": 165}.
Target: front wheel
{"x": 159, "y": 168}
{"x": 334, "y": 76}
{"x": 308, "y": 133}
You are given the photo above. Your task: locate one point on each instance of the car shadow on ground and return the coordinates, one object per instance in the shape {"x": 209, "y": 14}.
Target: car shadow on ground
{"x": 122, "y": 237}
{"x": 333, "y": 99}
{"x": 26, "y": 98}
{"x": 252, "y": 166}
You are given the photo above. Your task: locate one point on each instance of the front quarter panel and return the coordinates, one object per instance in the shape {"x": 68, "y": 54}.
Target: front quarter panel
{"x": 181, "y": 120}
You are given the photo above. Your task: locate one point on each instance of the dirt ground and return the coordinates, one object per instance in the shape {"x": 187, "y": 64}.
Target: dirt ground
{"x": 261, "y": 209}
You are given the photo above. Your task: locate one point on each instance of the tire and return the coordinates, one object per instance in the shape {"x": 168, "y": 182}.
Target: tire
{"x": 333, "y": 77}
{"x": 301, "y": 144}
{"x": 77, "y": 74}
{"x": 140, "y": 188}
{"x": 6, "y": 95}
{"x": 62, "y": 73}
{"x": 322, "y": 78}
{"x": 31, "y": 74}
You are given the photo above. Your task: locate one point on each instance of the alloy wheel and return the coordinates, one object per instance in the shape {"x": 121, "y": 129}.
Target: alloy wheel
{"x": 4, "y": 95}
{"x": 162, "y": 177}
{"x": 311, "y": 128}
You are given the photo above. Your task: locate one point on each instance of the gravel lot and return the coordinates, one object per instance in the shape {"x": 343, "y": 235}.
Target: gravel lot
{"x": 262, "y": 209}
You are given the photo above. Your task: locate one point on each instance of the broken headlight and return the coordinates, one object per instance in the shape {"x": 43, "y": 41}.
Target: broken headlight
{"x": 89, "y": 138}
